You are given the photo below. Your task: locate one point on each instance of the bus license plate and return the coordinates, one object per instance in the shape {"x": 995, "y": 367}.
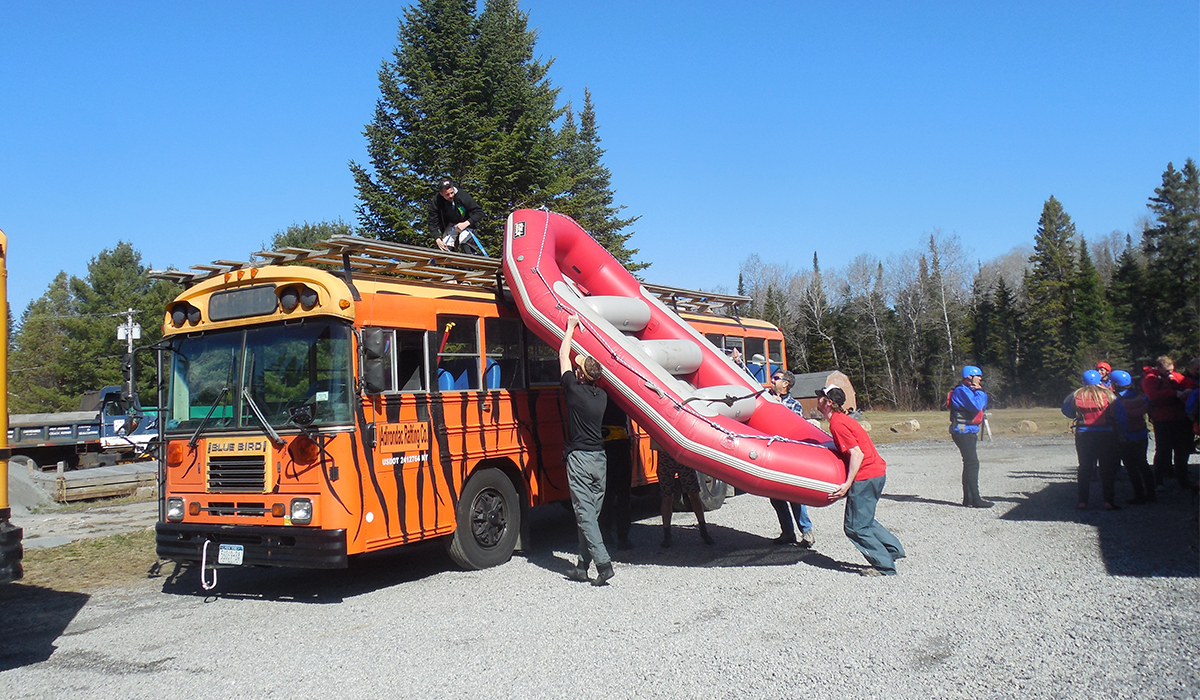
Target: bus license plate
{"x": 231, "y": 554}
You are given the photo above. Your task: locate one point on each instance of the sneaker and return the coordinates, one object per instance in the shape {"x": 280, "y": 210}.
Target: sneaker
{"x": 808, "y": 539}
{"x": 666, "y": 539}
{"x": 870, "y": 571}
{"x": 603, "y": 573}
{"x": 785, "y": 538}
{"x": 704, "y": 536}
{"x": 982, "y": 504}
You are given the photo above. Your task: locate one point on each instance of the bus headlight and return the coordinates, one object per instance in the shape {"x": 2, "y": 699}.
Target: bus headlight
{"x": 174, "y": 509}
{"x": 301, "y": 510}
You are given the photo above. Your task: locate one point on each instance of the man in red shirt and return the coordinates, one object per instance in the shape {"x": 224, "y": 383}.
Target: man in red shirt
{"x": 865, "y": 476}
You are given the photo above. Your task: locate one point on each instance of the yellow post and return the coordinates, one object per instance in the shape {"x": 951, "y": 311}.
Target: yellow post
{"x": 11, "y": 551}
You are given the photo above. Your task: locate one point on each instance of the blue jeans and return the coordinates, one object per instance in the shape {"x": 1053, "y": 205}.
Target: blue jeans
{"x": 880, "y": 547}
{"x": 785, "y": 518}
{"x": 586, "y": 477}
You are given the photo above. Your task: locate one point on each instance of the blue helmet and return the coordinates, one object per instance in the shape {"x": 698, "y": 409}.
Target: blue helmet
{"x": 1092, "y": 378}
{"x": 1120, "y": 378}
{"x": 972, "y": 371}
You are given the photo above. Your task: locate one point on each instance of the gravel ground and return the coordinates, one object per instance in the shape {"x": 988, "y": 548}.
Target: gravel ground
{"x": 1031, "y": 599}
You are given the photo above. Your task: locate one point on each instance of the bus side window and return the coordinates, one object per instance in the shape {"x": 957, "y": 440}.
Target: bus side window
{"x": 410, "y": 364}
{"x": 775, "y": 354}
{"x": 756, "y": 358}
{"x": 717, "y": 340}
{"x": 502, "y": 362}
{"x": 543, "y": 361}
{"x": 457, "y": 353}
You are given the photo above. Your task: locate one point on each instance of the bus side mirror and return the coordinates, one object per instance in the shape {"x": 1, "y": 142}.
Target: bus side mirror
{"x": 374, "y": 342}
{"x": 374, "y": 345}
{"x": 373, "y": 376}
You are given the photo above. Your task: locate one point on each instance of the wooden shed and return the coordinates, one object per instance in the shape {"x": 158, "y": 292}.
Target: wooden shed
{"x": 805, "y": 389}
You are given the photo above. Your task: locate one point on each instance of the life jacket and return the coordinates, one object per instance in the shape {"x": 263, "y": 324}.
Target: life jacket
{"x": 1092, "y": 411}
{"x": 1130, "y": 412}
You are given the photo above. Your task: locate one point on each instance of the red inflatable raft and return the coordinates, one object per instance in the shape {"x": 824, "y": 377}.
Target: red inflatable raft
{"x": 699, "y": 406}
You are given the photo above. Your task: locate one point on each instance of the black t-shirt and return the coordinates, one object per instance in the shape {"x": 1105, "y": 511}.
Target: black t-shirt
{"x": 585, "y": 409}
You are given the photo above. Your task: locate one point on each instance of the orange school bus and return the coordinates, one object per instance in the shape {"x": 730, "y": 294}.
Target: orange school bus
{"x": 374, "y": 396}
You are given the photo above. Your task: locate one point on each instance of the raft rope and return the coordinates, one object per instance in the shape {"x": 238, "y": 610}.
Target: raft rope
{"x": 649, "y": 381}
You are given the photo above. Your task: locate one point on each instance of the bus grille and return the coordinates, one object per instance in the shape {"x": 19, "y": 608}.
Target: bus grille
{"x": 237, "y": 474}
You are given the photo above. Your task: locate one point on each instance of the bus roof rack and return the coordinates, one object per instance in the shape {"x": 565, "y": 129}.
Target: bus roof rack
{"x": 374, "y": 257}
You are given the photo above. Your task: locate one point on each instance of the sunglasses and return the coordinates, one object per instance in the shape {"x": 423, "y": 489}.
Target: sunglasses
{"x": 777, "y": 377}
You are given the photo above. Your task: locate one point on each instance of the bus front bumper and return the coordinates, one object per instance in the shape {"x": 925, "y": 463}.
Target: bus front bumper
{"x": 299, "y": 547}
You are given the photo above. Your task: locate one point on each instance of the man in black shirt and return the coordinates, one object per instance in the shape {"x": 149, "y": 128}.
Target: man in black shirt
{"x": 455, "y": 217}
{"x": 586, "y": 463}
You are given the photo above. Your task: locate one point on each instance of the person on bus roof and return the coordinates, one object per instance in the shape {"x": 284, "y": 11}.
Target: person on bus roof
{"x": 456, "y": 216}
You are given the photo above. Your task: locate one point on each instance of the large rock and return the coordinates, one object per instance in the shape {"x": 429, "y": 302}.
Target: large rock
{"x": 1025, "y": 427}
{"x": 906, "y": 426}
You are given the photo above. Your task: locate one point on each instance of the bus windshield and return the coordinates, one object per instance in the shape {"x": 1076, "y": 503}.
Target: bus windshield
{"x": 297, "y": 374}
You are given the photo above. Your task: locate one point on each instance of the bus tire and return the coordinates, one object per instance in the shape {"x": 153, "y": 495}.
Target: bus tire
{"x": 712, "y": 491}
{"x": 489, "y": 521}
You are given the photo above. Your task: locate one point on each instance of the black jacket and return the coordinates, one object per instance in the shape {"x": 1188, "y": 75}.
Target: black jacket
{"x": 463, "y": 208}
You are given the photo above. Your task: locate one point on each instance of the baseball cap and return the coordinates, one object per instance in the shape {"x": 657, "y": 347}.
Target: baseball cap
{"x": 833, "y": 393}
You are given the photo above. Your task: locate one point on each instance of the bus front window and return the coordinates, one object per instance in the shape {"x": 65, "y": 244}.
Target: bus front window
{"x": 282, "y": 367}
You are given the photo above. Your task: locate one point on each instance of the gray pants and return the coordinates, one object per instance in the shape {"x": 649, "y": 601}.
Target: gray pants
{"x": 586, "y": 478}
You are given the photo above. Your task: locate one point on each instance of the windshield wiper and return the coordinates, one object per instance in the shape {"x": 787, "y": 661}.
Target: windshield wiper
{"x": 261, "y": 418}
{"x": 204, "y": 423}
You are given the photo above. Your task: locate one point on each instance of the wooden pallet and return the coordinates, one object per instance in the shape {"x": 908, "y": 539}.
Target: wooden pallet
{"x": 104, "y": 482}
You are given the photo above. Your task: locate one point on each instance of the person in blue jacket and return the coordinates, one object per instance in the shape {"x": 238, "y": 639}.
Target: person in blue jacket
{"x": 967, "y": 404}
{"x": 1133, "y": 437}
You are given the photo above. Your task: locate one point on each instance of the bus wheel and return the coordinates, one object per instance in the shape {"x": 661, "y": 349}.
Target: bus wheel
{"x": 712, "y": 491}
{"x": 489, "y": 521}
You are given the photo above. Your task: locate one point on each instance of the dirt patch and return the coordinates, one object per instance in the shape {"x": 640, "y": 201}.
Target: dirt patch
{"x": 90, "y": 564}
{"x": 935, "y": 425}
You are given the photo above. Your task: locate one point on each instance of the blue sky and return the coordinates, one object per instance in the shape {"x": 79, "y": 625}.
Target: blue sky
{"x": 196, "y": 131}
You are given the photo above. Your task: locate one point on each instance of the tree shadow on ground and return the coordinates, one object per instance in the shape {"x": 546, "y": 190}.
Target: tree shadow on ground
{"x": 1152, "y": 540}
{"x": 34, "y": 618}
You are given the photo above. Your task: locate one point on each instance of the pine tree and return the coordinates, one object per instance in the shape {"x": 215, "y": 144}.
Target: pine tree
{"x": 1132, "y": 308}
{"x": 39, "y": 354}
{"x": 1004, "y": 339}
{"x": 583, "y": 188}
{"x": 1051, "y": 350}
{"x": 516, "y": 102}
{"x": 981, "y": 320}
{"x": 464, "y": 98}
{"x": 1172, "y": 262}
{"x": 1091, "y": 318}
{"x": 818, "y": 321}
{"x": 307, "y": 235}
{"x": 421, "y": 129}
{"x": 67, "y": 343}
